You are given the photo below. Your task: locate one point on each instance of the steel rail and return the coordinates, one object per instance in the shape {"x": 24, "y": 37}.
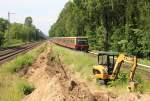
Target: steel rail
{"x": 12, "y": 54}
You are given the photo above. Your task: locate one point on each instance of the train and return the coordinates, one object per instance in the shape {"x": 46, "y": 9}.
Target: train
{"x": 76, "y": 43}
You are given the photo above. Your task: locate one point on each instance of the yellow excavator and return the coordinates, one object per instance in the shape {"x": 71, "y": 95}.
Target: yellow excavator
{"x": 109, "y": 64}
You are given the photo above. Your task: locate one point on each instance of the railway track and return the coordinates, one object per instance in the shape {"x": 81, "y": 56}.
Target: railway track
{"x": 9, "y": 54}
{"x": 8, "y": 50}
{"x": 12, "y": 47}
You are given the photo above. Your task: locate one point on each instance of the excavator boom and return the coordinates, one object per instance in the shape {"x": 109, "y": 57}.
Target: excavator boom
{"x": 117, "y": 66}
{"x": 121, "y": 58}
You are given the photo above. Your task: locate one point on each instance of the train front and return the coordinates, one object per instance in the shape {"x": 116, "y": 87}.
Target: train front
{"x": 82, "y": 44}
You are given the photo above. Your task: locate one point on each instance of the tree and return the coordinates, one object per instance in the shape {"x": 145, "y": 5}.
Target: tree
{"x": 28, "y": 21}
{"x": 3, "y": 28}
{"x": 1, "y": 38}
{"x": 118, "y": 25}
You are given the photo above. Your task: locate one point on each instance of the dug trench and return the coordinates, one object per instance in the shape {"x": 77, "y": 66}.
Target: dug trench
{"x": 53, "y": 81}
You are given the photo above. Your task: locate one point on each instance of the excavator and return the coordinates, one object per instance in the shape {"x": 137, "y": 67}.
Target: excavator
{"x": 108, "y": 68}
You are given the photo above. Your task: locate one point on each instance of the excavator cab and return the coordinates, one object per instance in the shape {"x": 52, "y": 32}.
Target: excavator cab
{"x": 107, "y": 59}
{"x": 106, "y": 62}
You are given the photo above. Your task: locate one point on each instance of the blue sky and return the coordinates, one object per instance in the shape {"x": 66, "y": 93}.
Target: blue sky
{"x": 43, "y": 12}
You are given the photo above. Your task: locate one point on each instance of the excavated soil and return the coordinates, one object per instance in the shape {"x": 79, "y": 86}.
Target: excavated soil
{"x": 55, "y": 82}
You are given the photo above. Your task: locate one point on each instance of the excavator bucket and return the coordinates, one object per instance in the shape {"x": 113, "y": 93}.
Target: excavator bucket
{"x": 132, "y": 86}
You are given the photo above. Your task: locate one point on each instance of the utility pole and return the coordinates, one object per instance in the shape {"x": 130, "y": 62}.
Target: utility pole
{"x": 9, "y": 26}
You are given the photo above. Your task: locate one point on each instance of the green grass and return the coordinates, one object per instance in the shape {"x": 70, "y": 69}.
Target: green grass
{"x": 79, "y": 61}
{"x": 12, "y": 87}
{"x": 82, "y": 63}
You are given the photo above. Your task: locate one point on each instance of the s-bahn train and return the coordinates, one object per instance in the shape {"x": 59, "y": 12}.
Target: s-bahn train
{"x": 77, "y": 43}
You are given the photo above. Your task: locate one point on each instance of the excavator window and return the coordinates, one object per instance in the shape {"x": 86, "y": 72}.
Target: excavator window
{"x": 107, "y": 60}
{"x": 102, "y": 60}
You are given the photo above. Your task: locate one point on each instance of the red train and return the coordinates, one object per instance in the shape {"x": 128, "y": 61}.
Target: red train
{"x": 77, "y": 43}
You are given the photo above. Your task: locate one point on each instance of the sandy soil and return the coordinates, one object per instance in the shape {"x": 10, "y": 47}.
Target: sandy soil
{"x": 55, "y": 82}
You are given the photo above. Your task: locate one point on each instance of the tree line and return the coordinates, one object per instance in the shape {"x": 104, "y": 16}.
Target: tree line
{"x": 114, "y": 25}
{"x": 12, "y": 33}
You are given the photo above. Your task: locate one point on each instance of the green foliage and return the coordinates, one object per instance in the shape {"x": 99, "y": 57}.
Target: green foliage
{"x": 27, "y": 89}
{"x": 146, "y": 44}
{"x": 3, "y": 28}
{"x": 14, "y": 42}
{"x": 1, "y": 38}
{"x": 28, "y": 21}
{"x": 3, "y": 24}
{"x": 116, "y": 25}
{"x": 121, "y": 80}
{"x": 19, "y": 33}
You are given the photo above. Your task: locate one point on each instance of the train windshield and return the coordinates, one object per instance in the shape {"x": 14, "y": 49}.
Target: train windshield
{"x": 82, "y": 41}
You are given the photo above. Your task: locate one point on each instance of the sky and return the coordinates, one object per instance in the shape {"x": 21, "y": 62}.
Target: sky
{"x": 43, "y": 12}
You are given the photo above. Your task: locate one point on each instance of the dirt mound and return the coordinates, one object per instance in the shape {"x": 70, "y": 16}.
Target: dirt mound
{"x": 133, "y": 97}
{"x": 50, "y": 91}
{"x": 72, "y": 89}
{"x": 54, "y": 82}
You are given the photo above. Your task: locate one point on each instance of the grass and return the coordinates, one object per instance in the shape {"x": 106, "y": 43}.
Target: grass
{"x": 82, "y": 63}
{"x": 79, "y": 61}
{"x": 12, "y": 87}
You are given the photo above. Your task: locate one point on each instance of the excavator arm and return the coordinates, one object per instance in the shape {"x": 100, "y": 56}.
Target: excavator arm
{"x": 132, "y": 71}
{"x": 121, "y": 58}
{"x": 117, "y": 66}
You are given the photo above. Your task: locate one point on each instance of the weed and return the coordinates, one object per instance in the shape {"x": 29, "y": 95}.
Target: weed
{"x": 120, "y": 81}
{"x": 27, "y": 89}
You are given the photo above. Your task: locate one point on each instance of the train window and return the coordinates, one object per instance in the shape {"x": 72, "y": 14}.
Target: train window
{"x": 69, "y": 41}
{"x": 72, "y": 41}
{"x": 82, "y": 41}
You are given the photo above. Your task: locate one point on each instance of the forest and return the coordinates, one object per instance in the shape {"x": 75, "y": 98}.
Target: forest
{"x": 17, "y": 33}
{"x": 110, "y": 25}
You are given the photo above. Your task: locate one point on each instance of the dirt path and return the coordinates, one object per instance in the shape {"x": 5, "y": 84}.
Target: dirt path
{"x": 54, "y": 82}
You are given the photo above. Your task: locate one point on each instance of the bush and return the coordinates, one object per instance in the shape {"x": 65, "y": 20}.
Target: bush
{"x": 13, "y": 42}
{"x": 122, "y": 80}
{"x": 27, "y": 89}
